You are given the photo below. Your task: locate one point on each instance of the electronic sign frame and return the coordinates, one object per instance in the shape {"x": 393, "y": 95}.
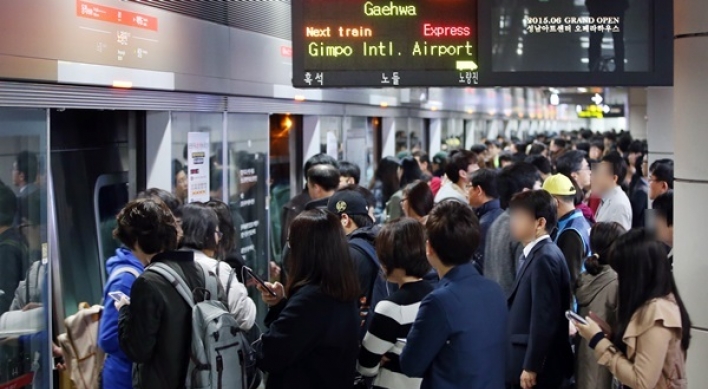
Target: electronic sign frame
{"x": 659, "y": 54}
{"x": 447, "y": 34}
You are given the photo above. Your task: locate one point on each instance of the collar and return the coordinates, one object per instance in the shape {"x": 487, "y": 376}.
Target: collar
{"x": 176, "y": 256}
{"x": 488, "y": 206}
{"x": 530, "y": 246}
{"x": 569, "y": 215}
{"x": 460, "y": 272}
{"x": 612, "y": 193}
{"x": 317, "y": 204}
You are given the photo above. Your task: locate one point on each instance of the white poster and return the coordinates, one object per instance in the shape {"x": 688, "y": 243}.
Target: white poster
{"x": 198, "y": 166}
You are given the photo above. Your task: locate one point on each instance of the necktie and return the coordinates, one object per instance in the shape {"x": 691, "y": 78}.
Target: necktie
{"x": 520, "y": 264}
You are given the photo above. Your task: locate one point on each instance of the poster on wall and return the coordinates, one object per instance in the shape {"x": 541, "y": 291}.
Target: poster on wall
{"x": 198, "y": 166}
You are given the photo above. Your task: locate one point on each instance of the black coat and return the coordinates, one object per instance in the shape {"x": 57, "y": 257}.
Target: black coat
{"x": 538, "y": 329}
{"x": 155, "y": 329}
{"x": 312, "y": 342}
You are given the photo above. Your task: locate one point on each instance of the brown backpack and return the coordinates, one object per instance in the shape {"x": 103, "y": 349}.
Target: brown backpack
{"x": 84, "y": 359}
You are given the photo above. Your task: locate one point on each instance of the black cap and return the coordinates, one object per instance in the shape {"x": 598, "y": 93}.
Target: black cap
{"x": 349, "y": 202}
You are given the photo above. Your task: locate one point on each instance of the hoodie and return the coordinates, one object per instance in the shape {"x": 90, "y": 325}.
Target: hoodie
{"x": 366, "y": 269}
{"x": 117, "y": 370}
{"x": 597, "y": 294}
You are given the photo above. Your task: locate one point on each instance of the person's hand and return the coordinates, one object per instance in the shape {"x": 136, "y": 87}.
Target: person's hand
{"x": 121, "y": 303}
{"x": 31, "y": 306}
{"x": 268, "y": 298}
{"x": 528, "y": 379}
{"x": 589, "y": 330}
{"x": 58, "y": 353}
{"x": 572, "y": 331}
{"x": 274, "y": 271}
{"x": 385, "y": 360}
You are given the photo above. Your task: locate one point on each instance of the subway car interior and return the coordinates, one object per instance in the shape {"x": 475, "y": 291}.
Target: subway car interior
{"x": 111, "y": 108}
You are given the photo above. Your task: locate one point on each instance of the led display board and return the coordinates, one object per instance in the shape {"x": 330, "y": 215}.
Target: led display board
{"x": 403, "y": 43}
{"x": 397, "y": 43}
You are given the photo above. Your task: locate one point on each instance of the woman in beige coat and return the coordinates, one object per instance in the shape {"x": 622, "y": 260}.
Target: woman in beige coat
{"x": 597, "y": 292}
{"x": 647, "y": 347}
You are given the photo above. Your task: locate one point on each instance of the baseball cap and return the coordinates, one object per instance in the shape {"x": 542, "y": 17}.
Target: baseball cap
{"x": 439, "y": 157}
{"x": 349, "y": 202}
{"x": 559, "y": 185}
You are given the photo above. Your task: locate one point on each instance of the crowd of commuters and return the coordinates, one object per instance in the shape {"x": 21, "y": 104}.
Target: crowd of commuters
{"x": 456, "y": 271}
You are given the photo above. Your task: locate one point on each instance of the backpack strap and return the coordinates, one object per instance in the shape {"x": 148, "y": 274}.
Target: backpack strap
{"x": 210, "y": 280}
{"x": 227, "y": 287}
{"x": 368, "y": 250}
{"x": 175, "y": 280}
{"x": 122, "y": 270}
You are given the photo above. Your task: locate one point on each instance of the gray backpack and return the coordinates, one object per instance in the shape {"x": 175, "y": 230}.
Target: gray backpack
{"x": 220, "y": 353}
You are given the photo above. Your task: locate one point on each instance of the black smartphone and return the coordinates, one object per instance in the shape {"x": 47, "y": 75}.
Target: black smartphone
{"x": 259, "y": 280}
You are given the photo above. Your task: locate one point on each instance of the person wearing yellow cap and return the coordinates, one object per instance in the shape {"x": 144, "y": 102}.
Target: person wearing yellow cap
{"x": 573, "y": 233}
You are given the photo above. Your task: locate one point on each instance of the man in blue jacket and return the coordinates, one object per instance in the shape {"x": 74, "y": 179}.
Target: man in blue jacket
{"x": 123, "y": 269}
{"x": 458, "y": 338}
{"x": 539, "y": 354}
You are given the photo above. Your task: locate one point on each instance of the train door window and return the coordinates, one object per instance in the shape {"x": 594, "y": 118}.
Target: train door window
{"x": 85, "y": 145}
{"x": 24, "y": 247}
{"x": 210, "y": 124}
{"x": 331, "y": 136}
{"x": 248, "y": 193}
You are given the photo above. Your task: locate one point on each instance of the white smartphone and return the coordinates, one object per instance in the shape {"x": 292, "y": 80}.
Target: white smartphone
{"x": 117, "y": 296}
{"x": 572, "y": 316}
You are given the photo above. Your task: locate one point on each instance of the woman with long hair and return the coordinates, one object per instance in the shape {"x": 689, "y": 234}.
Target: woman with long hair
{"x": 201, "y": 234}
{"x": 647, "y": 347}
{"x": 387, "y": 181}
{"x": 410, "y": 172}
{"x": 597, "y": 293}
{"x": 313, "y": 335}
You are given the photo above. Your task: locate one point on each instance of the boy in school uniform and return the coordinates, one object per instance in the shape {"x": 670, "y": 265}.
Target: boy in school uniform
{"x": 539, "y": 354}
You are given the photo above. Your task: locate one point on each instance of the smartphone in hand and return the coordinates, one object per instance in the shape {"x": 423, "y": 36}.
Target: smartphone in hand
{"x": 118, "y": 295}
{"x": 260, "y": 281}
{"x": 572, "y": 316}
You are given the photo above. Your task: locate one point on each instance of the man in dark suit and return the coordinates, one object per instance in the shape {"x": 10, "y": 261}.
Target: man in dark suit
{"x": 539, "y": 354}
{"x": 24, "y": 176}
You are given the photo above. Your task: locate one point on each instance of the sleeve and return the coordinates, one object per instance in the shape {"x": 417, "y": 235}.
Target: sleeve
{"x": 139, "y": 322}
{"x": 380, "y": 338}
{"x": 293, "y": 334}
{"x": 571, "y": 244}
{"x": 646, "y": 369}
{"x": 546, "y": 298}
{"x": 427, "y": 337}
{"x": 640, "y": 202}
{"x": 108, "y": 328}
{"x": 365, "y": 270}
{"x": 240, "y": 305}
{"x": 19, "y": 301}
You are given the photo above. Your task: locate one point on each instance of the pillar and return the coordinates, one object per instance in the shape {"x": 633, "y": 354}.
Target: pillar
{"x": 435, "y": 136}
{"x": 388, "y": 137}
{"x": 637, "y": 113}
{"x": 311, "y": 137}
{"x": 660, "y": 122}
{"x": 158, "y": 145}
{"x": 691, "y": 184}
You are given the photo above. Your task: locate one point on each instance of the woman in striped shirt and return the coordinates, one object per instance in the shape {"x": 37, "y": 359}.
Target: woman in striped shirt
{"x": 400, "y": 246}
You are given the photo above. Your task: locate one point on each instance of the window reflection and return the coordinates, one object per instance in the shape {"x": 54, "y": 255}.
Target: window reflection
{"x": 23, "y": 249}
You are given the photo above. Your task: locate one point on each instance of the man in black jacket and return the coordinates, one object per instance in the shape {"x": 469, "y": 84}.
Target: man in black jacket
{"x": 351, "y": 206}
{"x": 297, "y": 204}
{"x": 155, "y": 326}
{"x": 539, "y": 354}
